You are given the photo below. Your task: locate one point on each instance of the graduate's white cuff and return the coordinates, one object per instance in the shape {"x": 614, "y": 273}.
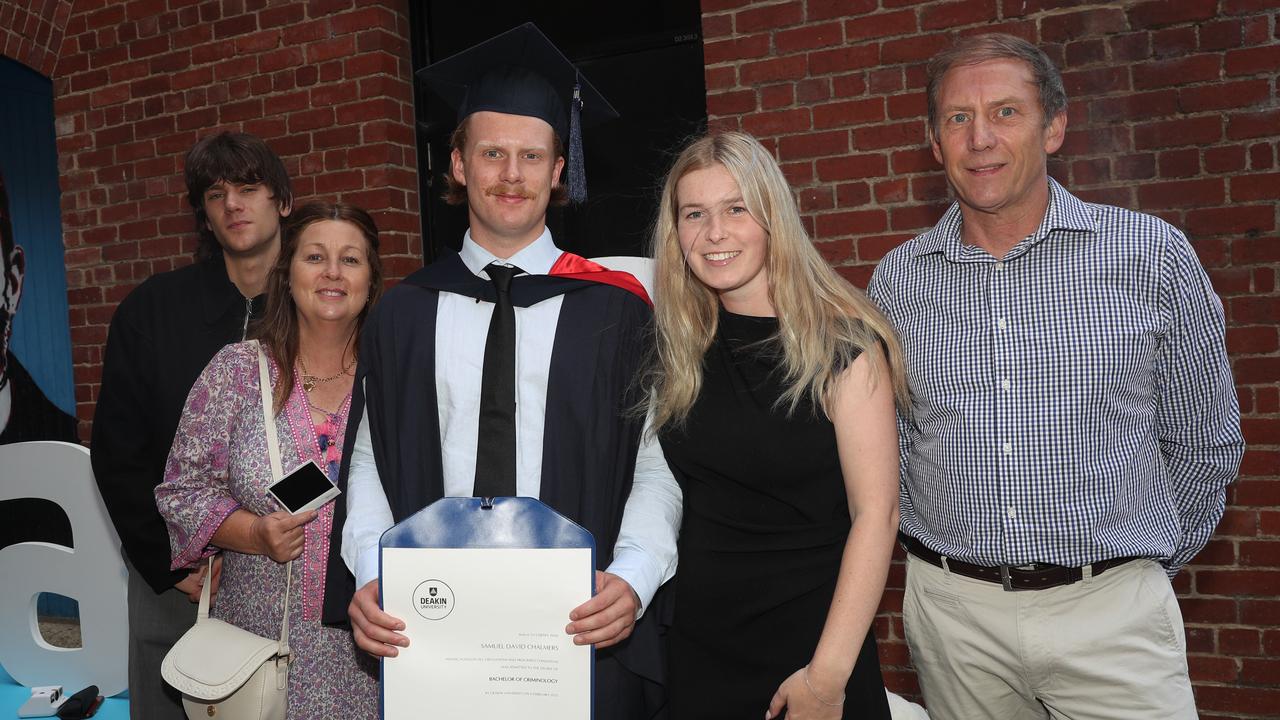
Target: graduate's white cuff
{"x": 632, "y": 566}
{"x": 367, "y": 567}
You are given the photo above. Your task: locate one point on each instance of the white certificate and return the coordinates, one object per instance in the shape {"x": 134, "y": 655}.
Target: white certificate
{"x": 486, "y": 633}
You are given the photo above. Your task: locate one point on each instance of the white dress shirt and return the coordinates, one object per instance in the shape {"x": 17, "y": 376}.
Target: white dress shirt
{"x": 645, "y": 552}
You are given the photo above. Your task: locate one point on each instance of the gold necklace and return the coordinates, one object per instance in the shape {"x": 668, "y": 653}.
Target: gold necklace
{"x": 310, "y": 381}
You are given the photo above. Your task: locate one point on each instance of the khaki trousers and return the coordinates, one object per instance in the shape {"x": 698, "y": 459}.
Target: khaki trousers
{"x": 1111, "y": 646}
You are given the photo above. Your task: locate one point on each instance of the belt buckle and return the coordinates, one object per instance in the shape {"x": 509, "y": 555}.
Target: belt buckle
{"x": 1005, "y": 580}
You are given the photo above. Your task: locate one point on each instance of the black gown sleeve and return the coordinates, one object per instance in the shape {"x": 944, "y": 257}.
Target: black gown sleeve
{"x": 340, "y": 584}
{"x": 127, "y": 456}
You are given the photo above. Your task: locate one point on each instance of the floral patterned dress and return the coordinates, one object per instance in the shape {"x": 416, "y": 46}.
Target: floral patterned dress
{"x": 219, "y": 463}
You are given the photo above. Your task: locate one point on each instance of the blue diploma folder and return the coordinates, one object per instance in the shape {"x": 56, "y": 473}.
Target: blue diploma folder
{"x": 472, "y": 522}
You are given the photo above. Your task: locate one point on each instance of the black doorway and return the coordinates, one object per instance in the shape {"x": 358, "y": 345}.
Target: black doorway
{"x": 646, "y": 58}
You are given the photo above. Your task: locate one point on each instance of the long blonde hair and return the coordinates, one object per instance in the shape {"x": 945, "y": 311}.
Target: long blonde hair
{"x": 823, "y": 321}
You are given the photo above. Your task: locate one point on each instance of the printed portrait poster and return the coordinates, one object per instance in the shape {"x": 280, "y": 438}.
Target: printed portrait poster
{"x": 37, "y": 398}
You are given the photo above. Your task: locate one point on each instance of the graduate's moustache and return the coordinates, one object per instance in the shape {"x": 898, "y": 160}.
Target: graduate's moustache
{"x": 509, "y": 190}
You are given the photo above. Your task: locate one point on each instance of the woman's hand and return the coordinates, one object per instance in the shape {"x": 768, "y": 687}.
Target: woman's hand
{"x": 803, "y": 701}
{"x": 279, "y": 535}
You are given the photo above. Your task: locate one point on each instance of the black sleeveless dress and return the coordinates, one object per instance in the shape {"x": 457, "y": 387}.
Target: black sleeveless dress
{"x": 765, "y": 523}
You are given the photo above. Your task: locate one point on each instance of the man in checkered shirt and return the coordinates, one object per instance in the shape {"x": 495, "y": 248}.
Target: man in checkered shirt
{"x": 1074, "y": 422}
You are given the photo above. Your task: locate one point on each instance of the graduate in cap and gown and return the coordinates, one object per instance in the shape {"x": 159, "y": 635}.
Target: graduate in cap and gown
{"x": 507, "y": 369}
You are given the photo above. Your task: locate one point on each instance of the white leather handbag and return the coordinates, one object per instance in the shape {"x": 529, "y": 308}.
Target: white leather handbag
{"x": 226, "y": 671}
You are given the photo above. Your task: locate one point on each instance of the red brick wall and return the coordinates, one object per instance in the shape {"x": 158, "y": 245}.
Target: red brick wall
{"x": 1173, "y": 111}
{"x": 31, "y": 32}
{"x": 326, "y": 83}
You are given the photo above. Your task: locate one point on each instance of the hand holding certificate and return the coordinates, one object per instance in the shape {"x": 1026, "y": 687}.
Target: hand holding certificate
{"x": 608, "y": 617}
{"x": 484, "y": 593}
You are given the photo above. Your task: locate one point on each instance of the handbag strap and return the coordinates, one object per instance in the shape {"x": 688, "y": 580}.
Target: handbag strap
{"x": 269, "y": 417}
{"x": 203, "y": 613}
{"x": 277, "y": 472}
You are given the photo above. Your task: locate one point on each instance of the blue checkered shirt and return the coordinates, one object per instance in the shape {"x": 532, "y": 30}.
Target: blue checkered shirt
{"x": 1071, "y": 402}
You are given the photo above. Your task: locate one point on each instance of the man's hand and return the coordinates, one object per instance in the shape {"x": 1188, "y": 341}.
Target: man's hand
{"x": 194, "y": 580}
{"x": 279, "y": 535}
{"x": 373, "y": 629}
{"x": 607, "y": 618}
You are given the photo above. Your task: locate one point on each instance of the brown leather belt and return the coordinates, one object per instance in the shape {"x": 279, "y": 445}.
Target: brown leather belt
{"x": 1028, "y": 577}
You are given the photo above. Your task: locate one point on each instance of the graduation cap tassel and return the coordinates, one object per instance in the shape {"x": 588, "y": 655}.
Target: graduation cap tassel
{"x": 577, "y": 172}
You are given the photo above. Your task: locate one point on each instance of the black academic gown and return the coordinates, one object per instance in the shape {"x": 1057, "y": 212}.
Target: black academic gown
{"x": 589, "y": 442}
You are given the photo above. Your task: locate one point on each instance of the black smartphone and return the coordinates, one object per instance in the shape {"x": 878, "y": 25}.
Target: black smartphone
{"x": 304, "y": 488}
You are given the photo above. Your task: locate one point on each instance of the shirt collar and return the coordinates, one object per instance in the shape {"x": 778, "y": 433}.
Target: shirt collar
{"x": 1066, "y": 213}
{"x": 220, "y": 294}
{"x": 221, "y": 297}
{"x": 536, "y": 258}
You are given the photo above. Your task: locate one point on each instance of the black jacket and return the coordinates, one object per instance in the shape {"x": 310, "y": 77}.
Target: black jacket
{"x": 161, "y": 337}
{"x": 33, "y": 417}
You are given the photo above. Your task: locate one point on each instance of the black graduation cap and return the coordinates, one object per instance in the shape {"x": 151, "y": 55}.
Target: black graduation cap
{"x": 520, "y": 72}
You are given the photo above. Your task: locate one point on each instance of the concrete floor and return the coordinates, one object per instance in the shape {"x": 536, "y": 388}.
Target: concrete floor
{"x": 61, "y": 632}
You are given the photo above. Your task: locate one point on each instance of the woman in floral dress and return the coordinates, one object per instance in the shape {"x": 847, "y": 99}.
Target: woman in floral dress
{"x": 214, "y": 493}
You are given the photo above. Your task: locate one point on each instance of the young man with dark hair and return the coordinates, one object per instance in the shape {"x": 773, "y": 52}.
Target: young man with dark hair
{"x": 505, "y": 370}
{"x": 1074, "y": 425}
{"x": 161, "y": 337}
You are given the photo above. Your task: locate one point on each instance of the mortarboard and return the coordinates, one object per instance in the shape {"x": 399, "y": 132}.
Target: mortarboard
{"x": 520, "y": 72}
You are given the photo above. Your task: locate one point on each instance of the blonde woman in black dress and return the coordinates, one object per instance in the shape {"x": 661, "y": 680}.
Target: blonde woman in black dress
{"x": 773, "y": 388}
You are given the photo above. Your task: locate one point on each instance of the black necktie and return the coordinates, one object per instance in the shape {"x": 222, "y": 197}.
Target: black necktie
{"x": 496, "y": 452}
